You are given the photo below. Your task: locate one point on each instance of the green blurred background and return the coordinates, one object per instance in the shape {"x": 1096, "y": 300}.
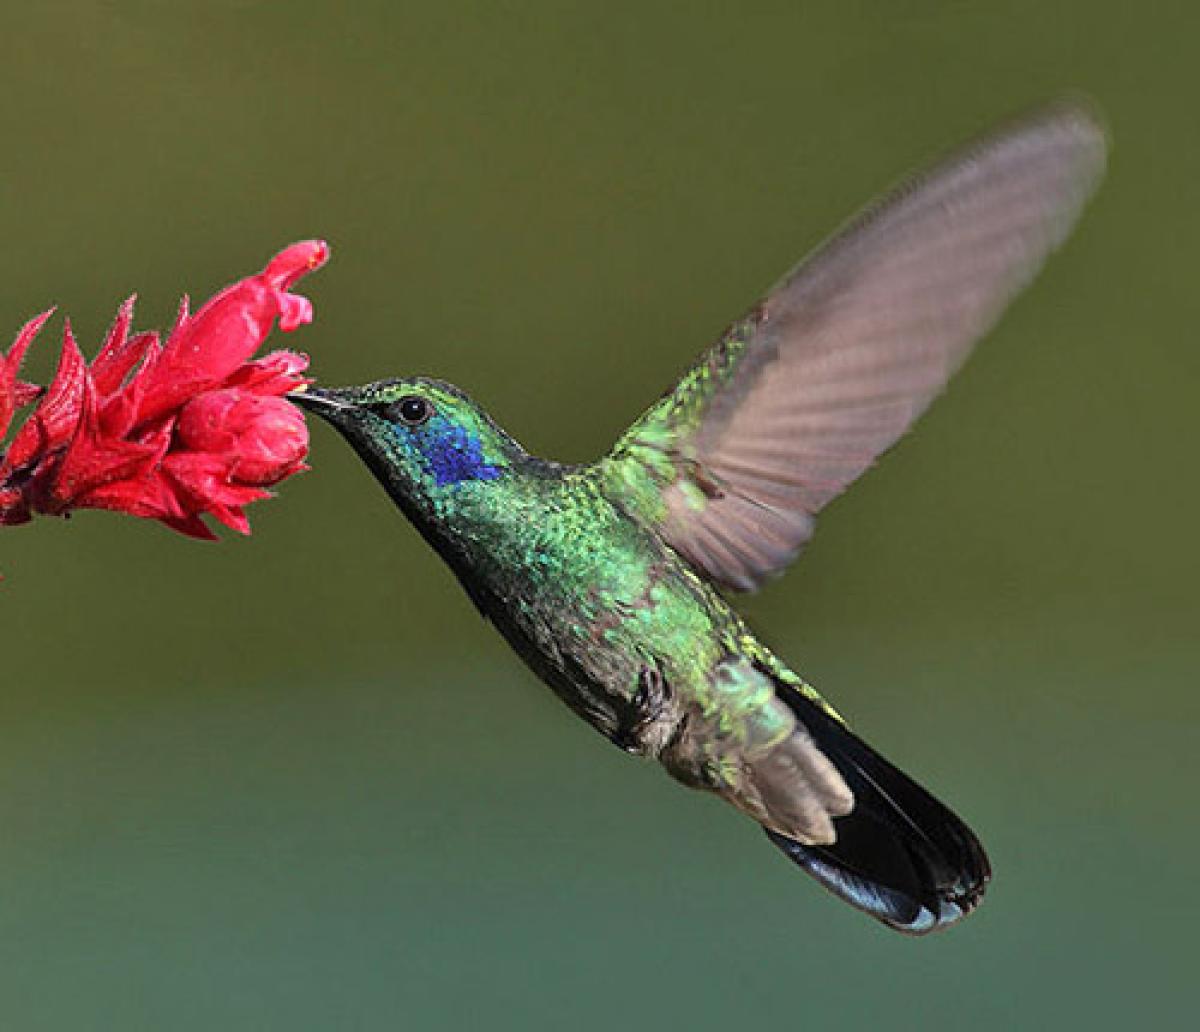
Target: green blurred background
{"x": 293, "y": 782}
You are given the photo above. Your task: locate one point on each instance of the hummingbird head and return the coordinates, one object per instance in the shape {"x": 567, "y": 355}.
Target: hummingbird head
{"x": 425, "y": 440}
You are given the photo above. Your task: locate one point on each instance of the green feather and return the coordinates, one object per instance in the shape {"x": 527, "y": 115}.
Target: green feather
{"x": 605, "y": 578}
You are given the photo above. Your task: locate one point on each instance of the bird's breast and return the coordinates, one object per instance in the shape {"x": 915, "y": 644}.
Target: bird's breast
{"x": 595, "y": 604}
{"x": 621, "y": 637}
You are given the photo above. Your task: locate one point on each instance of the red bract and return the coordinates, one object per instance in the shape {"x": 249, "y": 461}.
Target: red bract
{"x": 170, "y": 431}
{"x": 13, "y": 392}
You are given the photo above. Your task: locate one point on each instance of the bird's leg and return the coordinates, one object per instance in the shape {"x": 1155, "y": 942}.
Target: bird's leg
{"x": 645, "y": 710}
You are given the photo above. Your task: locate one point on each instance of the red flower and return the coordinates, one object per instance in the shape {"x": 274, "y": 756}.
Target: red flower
{"x": 165, "y": 431}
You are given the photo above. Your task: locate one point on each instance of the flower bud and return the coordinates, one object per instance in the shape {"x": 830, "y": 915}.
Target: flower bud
{"x": 262, "y": 438}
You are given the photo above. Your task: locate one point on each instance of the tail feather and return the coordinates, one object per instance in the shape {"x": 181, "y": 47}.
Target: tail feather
{"x": 900, "y": 855}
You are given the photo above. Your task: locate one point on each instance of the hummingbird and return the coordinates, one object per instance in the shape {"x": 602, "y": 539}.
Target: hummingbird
{"x": 612, "y": 579}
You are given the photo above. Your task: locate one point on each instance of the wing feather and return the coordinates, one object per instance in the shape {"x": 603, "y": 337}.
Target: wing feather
{"x": 799, "y": 398}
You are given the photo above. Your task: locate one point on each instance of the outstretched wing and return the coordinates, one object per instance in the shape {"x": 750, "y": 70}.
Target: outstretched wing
{"x": 801, "y": 396}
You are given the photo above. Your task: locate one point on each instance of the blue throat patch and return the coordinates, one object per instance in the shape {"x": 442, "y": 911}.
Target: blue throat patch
{"x": 453, "y": 455}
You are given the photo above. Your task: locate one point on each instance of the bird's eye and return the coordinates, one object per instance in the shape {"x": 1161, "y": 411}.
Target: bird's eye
{"x": 413, "y": 410}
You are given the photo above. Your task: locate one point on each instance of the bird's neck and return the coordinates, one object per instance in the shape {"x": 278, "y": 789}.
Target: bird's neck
{"x": 487, "y": 531}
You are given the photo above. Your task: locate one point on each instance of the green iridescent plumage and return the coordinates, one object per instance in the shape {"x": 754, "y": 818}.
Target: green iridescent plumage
{"x": 605, "y": 578}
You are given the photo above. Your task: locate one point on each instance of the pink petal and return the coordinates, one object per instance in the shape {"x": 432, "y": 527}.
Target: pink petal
{"x": 151, "y": 497}
{"x": 294, "y": 311}
{"x": 260, "y": 440}
{"x": 14, "y": 394}
{"x": 93, "y": 460}
{"x": 233, "y": 516}
{"x": 295, "y": 261}
{"x": 206, "y": 479}
{"x": 120, "y": 353}
{"x": 277, "y": 373}
{"x": 16, "y": 353}
{"x": 230, "y": 327}
{"x": 191, "y": 526}
{"x": 26, "y": 393}
{"x": 121, "y": 411}
{"x": 113, "y": 344}
{"x": 53, "y": 422}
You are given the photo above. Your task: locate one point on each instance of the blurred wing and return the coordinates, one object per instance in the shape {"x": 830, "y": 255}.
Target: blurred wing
{"x": 836, "y": 363}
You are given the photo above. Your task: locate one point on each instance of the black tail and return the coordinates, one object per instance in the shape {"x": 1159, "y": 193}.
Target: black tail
{"x": 900, "y": 855}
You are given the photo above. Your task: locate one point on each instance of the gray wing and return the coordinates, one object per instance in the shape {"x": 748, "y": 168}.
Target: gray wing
{"x": 836, "y": 363}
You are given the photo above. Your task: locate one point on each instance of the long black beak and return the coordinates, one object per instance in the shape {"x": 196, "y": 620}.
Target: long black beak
{"x": 333, "y": 405}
